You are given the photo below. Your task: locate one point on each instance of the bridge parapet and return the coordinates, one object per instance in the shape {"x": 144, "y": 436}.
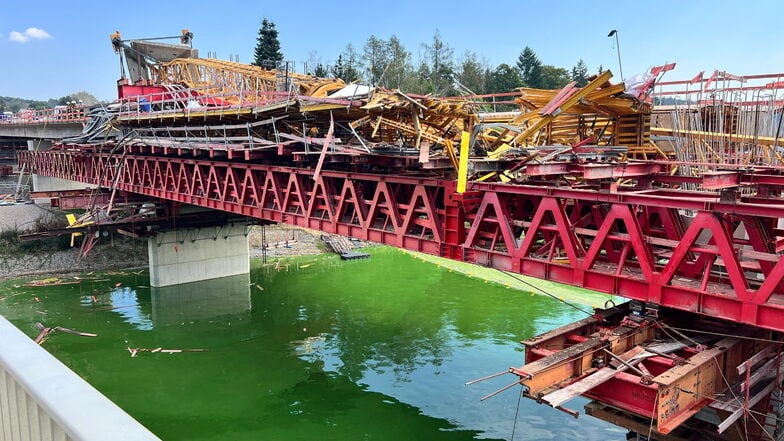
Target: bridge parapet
{"x": 41, "y": 399}
{"x": 53, "y": 123}
{"x": 56, "y": 115}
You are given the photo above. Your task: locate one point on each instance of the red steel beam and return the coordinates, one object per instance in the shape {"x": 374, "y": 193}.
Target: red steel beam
{"x": 669, "y": 247}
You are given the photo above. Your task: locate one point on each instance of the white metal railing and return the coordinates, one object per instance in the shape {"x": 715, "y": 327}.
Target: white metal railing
{"x": 182, "y": 101}
{"x": 41, "y": 399}
{"x": 56, "y": 115}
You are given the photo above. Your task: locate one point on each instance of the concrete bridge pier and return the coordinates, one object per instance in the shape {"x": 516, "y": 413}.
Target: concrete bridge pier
{"x": 194, "y": 254}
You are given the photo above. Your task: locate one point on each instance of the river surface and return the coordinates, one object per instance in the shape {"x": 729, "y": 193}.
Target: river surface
{"x": 313, "y": 348}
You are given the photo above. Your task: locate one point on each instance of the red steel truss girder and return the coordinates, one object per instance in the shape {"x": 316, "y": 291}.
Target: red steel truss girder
{"x": 721, "y": 261}
{"x": 397, "y": 211}
{"x": 636, "y": 247}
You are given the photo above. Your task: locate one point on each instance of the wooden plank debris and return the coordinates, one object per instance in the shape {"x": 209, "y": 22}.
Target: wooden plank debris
{"x": 135, "y": 351}
{"x": 45, "y": 331}
{"x": 582, "y": 386}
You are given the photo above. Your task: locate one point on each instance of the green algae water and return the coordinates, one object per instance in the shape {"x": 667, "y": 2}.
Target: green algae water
{"x": 312, "y": 348}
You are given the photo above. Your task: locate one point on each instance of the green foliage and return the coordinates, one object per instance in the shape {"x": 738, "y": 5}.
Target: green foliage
{"x": 13, "y": 104}
{"x": 504, "y": 78}
{"x": 346, "y": 66}
{"x": 440, "y": 66}
{"x": 85, "y": 97}
{"x": 554, "y": 77}
{"x": 320, "y": 71}
{"x": 376, "y": 58}
{"x": 9, "y": 238}
{"x": 399, "y": 70}
{"x": 530, "y": 68}
{"x": 471, "y": 74}
{"x": 11, "y": 245}
{"x": 267, "y": 52}
{"x": 64, "y": 100}
{"x": 580, "y": 73}
{"x": 387, "y": 63}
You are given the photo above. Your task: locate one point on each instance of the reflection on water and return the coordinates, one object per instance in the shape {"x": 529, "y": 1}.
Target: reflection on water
{"x": 123, "y": 301}
{"x": 207, "y": 299}
{"x": 312, "y": 348}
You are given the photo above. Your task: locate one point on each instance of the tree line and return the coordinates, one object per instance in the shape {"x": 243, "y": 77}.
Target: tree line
{"x": 388, "y": 63}
{"x": 14, "y": 104}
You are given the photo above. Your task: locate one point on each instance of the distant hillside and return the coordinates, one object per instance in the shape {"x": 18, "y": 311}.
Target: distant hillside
{"x": 13, "y": 104}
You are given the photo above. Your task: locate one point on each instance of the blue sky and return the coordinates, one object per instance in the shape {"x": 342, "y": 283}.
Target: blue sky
{"x": 68, "y": 47}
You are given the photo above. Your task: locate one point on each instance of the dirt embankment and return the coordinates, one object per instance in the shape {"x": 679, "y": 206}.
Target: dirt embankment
{"x": 54, "y": 256}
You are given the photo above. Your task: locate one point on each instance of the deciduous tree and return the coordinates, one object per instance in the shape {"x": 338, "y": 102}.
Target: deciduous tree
{"x": 504, "y": 78}
{"x": 471, "y": 74}
{"x": 440, "y": 65}
{"x": 554, "y": 77}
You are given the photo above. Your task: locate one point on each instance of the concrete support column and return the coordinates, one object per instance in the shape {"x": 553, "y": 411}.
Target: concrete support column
{"x": 191, "y": 255}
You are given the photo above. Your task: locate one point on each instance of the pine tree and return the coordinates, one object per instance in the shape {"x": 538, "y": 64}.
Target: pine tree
{"x": 337, "y": 68}
{"x": 320, "y": 71}
{"x": 344, "y": 67}
{"x": 399, "y": 70}
{"x": 580, "y": 73}
{"x": 530, "y": 68}
{"x": 267, "y": 52}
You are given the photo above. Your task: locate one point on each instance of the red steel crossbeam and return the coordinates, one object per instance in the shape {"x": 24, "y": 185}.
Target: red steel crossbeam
{"x": 691, "y": 251}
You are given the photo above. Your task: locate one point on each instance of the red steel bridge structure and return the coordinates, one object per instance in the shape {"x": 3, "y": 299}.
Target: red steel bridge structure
{"x": 708, "y": 242}
{"x": 712, "y": 251}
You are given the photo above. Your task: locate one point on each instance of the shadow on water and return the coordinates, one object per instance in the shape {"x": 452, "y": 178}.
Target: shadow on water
{"x": 310, "y": 348}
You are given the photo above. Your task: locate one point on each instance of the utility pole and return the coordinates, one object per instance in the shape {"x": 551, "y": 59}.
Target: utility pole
{"x": 614, "y": 32}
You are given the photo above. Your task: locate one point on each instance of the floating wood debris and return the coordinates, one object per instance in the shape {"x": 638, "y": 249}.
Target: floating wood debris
{"x": 51, "y": 281}
{"x": 45, "y": 331}
{"x": 135, "y": 351}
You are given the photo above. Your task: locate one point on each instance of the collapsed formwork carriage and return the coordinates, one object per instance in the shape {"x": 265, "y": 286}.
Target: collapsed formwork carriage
{"x": 661, "y": 374}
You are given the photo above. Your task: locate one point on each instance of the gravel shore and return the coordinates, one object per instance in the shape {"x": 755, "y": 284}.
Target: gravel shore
{"x": 122, "y": 252}
{"x": 116, "y": 254}
{"x": 285, "y": 241}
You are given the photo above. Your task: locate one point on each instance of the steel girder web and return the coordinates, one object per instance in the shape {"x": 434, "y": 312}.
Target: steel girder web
{"x": 717, "y": 259}
{"x": 688, "y": 251}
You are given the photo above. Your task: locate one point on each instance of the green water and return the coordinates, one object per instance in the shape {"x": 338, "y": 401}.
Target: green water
{"x": 375, "y": 349}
